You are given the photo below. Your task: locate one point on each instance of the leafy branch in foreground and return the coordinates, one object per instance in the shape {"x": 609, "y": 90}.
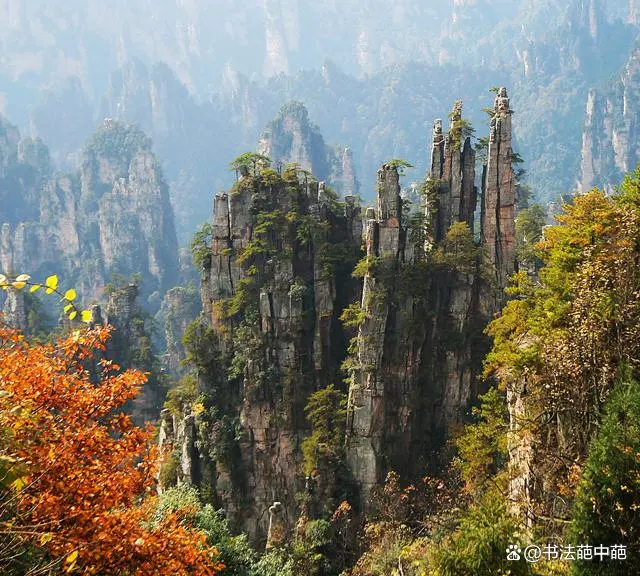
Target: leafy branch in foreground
{"x": 50, "y": 286}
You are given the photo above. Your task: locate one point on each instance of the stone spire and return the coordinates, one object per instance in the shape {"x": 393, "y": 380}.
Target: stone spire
{"x": 453, "y": 173}
{"x": 498, "y": 198}
{"x": 367, "y": 393}
{"x": 349, "y": 180}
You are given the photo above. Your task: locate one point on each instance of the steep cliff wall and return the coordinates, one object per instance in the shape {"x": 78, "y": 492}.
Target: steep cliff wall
{"x": 130, "y": 347}
{"x": 273, "y": 288}
{"x": 114, "y": 216}
{"x": 498, "y": 193}
{"x": 276, "y": 277}
{"x": 425, "y": 304}
{"x": 610, "y": 139}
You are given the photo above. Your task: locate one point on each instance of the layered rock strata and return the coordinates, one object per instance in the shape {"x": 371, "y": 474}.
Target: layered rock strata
{"x": 278, "y": 277}
{"x": 421, "y": 344}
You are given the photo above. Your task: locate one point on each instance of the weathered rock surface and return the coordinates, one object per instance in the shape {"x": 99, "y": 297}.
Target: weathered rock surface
{"x": 114, "y": 216}
{"x": 130, "y": 347}
{"x": 14, "y": 313}
{"x": 279, "y": 276}
{"x": 498, "y": 194}
{"x": 421, "y": 344}
{"x": 610, "y": 139}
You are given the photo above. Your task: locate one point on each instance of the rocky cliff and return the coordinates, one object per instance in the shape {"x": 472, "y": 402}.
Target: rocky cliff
{"x": 274, "y": 284}
{"x": 130, "y": 347}
{"x": 276, "y": 277}
{"x": 425, "y": 304}
{"x": 113, "y": 216}
{"x": 112, "y": 219}
{"x": 610, "y": 138}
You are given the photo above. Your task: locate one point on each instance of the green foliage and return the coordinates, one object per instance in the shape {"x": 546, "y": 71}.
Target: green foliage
{"x": 201, "y": 247}
{"x": 529, "y": 225}
{"x": 608, "y": 496}
{"x": 458, "y": 250}
{"x": 183, "y": 395}
{"x": 39, "y": 324}
{"x": 310, "y": 229}
{"x": 312, "y": 549}
{"x": 169, "y": 470}
{"x": 385, "y": 542}
{"x": 399, "y": 164}
{"x": 235, "y": 553}
{"x": 326, "y": 412}
{"x": 250, "y": 163}
{"x": 245, "y": 296}
{"x": 478, "y": 547}
{"x": 249, "y": 344}
{"x": 461, "y": 129}
{"x": 419, "y": 232}
{"x": 118, "y": 140}
{"x": 275, "y": 562}
{"x": 428, "y": 190}
{"x": 363, "y": 266}
{"x": 353, "y": 315}
{"x": 482, "y": 147}
{"x": 569, "y": 333}
{"x": 198, "y": 341}
{"x": 482, "y": 446}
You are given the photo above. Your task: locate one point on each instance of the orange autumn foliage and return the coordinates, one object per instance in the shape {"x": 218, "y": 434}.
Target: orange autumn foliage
{"x": 79, "y": 490}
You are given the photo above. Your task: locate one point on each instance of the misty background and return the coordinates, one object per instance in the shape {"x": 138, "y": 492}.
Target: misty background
{"x": 204, "y": 78}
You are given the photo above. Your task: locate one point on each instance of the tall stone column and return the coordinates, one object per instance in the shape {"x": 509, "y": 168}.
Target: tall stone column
{"x": 498, "y": 230}
{"x": 366, "y": 426}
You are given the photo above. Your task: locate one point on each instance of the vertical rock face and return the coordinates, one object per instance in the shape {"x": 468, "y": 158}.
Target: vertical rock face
{"x": 274, "y": 285}
{"x": 498, "y": 196}
{"x": 610, "y": 138}
{"x": 453, "y": 174}
{"x": 126, "y": 205}
{"x": 180, "y": 306}
{"x": 278, "y": 278}
{"x": 420, "y": 346}
{"x": 114, "y": 216}
{"x": 130, "y": 346}
{"x": 14, "y": 309}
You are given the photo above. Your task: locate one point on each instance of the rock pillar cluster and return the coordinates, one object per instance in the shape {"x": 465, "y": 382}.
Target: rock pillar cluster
{"x": 420, "y": 345}
{"x": 278, "y": 278}
{"x": 453, "y": 177}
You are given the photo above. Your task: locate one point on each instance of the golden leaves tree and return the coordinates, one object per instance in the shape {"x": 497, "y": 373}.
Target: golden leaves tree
{"x": 76, "y": 476}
